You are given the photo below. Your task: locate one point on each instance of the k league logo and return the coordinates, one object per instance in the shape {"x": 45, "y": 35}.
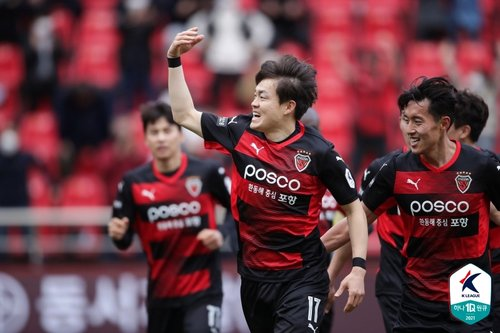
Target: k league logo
{"x": 470, "y": 294}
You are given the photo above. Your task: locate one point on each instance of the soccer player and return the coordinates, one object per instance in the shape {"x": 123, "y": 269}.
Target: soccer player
{"x": 170, "y": 204}
{"x": 281, "y": 171}
{"x": 471, "y": 117}
{"x": 437, "y": 183}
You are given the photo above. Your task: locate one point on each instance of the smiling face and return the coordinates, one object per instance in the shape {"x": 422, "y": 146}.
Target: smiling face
{"x": 266, "y": 106}
{"x": 163, "y": 139}
{"x": 421, "y": 129}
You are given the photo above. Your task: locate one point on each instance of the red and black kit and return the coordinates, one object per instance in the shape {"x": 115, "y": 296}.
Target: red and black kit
{"x": 167, "y": 211}
{"x": 276, "y": 194}
{"x": 445, "y": 213}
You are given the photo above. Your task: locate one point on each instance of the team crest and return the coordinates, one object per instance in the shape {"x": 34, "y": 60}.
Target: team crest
{"x": 302, "y": 161}
{"x": 463, "y": 182}
{"x": 194, "y": 185}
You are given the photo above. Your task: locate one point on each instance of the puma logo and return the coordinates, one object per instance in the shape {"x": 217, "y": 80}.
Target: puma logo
{"x": 257, "y": 149}
{"x": 312, "y": 328}
{"x": 366, "y": 173}
{"x": 232, "y": 121}
{"x": 409, "y": 181}
{"x": 148, "y": 194}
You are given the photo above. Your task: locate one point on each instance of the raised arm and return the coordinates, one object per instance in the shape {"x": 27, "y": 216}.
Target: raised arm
{"x": 181, "y": 101}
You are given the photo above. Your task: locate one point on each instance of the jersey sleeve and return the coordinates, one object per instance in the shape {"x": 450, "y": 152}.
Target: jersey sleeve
{"x": 337, "y": 177}
{"x": 222, "y": 133}
{"x": 369, "y": 173}
{"x": 378, "y": 194}
{"x": 123, "y": 206}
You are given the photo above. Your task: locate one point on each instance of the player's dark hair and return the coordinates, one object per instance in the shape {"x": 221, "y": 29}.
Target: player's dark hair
{"x": 471, "y": 110}
{"x": 296, "y": 80}
{"x": 438, "y": 90}
{"x": 152, "y": 111}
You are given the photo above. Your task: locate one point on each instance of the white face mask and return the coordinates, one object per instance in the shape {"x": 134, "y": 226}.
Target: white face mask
{"x": 9, "y": 142}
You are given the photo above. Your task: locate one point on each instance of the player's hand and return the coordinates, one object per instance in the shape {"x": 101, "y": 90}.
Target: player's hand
{"x": 331, "y": 297}
{"x": 183, "y": 42}
{"x": 211, "y": 238}
{"x": 355, "y": 285}
{"x": 117, "y": 228}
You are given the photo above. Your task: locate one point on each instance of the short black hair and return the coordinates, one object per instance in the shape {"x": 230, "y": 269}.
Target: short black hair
{"x": 438, "y": 90}
{"x": 296, "y": 81}
{"x": 473, "y": 111}
{"x": 152, "y": 111}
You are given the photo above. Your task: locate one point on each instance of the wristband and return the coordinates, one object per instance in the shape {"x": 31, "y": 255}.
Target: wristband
{"x": 174, "y": 62}
{"x": 359, "y": 262}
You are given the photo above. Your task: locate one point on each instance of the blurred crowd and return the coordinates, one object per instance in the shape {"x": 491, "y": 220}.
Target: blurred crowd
{"x": 74, "y": 72}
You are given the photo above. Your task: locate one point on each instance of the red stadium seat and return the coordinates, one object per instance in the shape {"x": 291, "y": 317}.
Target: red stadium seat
{"x": 11, "y": 65}
{"x": 83, "y": 190}
{"x": 423, "y": 59}
{"x": 99, "y": 4}
{"x": 96, "y": 63}
{"x": 475, "y": 55}
{"x": 64, "y": 25}
{"x": 39, "y": 135}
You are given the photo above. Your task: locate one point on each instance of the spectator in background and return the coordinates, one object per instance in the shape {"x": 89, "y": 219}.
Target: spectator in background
{"x": 177, "y": 13}
{"x": 466, "y": 20}
{"x": 17, "y": 16}
{"x": 233, "y": 38}
{"x": 291, "y": 19}
{"x": 432, "y": 20}
{"x": 136, "y": 21}
{"x": 15, "y": 166}
{"x": 42, "y": 56}
{"x": 170, "y": 204}
{"x": 83, "y": 113}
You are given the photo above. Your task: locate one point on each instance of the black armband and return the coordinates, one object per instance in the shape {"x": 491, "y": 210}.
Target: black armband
{"x": 174, "y": 62}
{"x": 359, "y": 262}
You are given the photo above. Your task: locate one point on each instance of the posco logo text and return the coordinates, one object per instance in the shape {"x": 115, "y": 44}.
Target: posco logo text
{"x": 173, "y": 210}
{"x": 438, "y": 206}
{"x": 271, "y": 178}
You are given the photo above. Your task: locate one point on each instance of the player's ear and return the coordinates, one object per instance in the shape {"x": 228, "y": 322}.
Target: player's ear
{"x": 465, "y": 132}
{"x": 446, "y": 123}
{"x": 289, "y": 107}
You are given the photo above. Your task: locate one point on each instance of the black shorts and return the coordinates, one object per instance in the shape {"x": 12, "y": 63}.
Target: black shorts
{"x": 389, "y": 307}
{"x": 419, "y": 315}
{"x": 200, "y": 317}
{"x": 293, "y": 306}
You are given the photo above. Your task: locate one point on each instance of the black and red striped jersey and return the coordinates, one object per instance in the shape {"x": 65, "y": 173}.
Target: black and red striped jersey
{"x": 167, "y": 211}
{"x": 389, "y": 226}
{"x": 276, "y": 195}
{"x": 445, "y": 213}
